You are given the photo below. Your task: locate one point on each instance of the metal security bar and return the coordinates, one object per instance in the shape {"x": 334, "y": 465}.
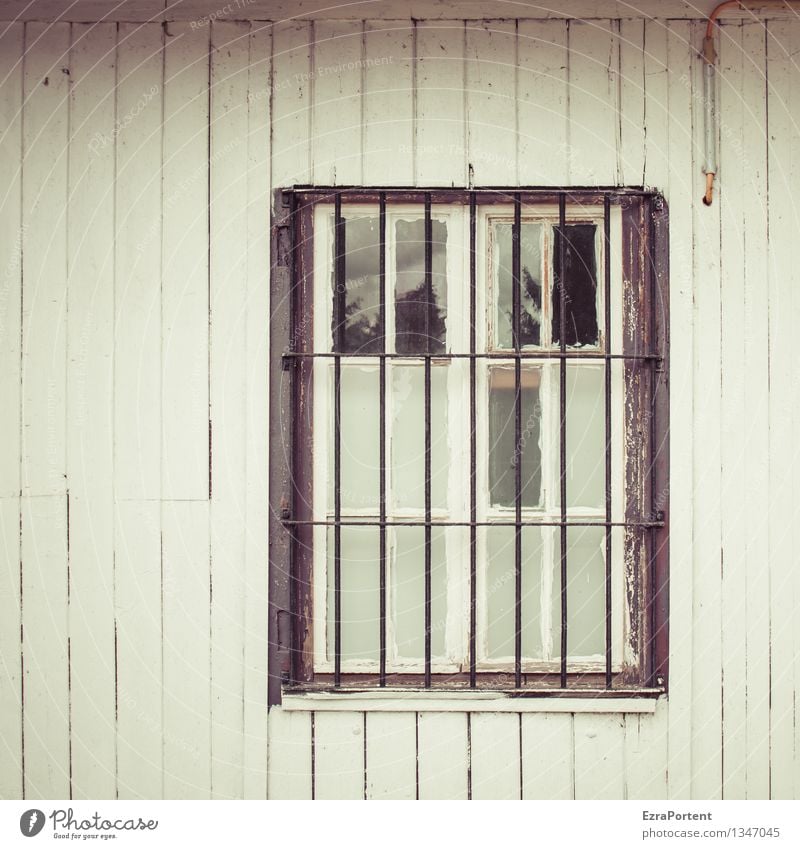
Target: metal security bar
{"x": 642, "y": 356}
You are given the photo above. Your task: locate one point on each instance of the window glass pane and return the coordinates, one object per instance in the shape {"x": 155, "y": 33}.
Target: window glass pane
{"x": 360, "y": 590}
{"x": 419, "y": 323}
{"x": 580, "y": 286}
{"x": 360, "y": 438}
{"x": 408, "y": 436}
{"x": 363, "y": 332}
{"x": 586, "y": 436}
{"x": 504, "y": 454}
{"x": 530, "y": 251}
{"x": 501, "y": 592}
{"x": 408, "y": 592}
{"x": 586, "y": 606}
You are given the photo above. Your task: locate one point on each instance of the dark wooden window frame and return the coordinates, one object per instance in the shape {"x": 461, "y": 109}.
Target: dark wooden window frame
{"x": 645, "y": 351}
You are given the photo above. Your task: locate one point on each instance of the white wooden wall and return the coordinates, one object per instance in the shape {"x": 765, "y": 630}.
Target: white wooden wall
{"x": 133, "y": 350}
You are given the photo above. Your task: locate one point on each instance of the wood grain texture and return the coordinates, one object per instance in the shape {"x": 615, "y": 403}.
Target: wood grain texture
{"x": 443, "y": 756}
{"x": 138, "y": 264}
{"x": 495, "y": 752}
{"x": 339, "y": 755}
{"x": 139, "y": 617}
{"x": 90, "y": 409}
{"x": 290, "y": 774}
{"x": 230, "y": 56}
{"x": 44, "y": 250}
{"x": 599, "y": 757}
{"x": 783, "y": 161}
{"x": 184, "y": 283}
{"x": 392, "y": 756}
{"x": 257, "y": 412}
{"x": 388, "y": 103}
{"x": 547, "y": 757}
{"x": 10, "y": 668}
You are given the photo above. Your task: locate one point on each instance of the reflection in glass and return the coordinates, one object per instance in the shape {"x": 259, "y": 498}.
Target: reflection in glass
{"x": 363, "y": 332}
{"x": 504, "y": 453}
{"x": 419, "y": 325}
{"x": 586, "y": 437}
{"x": 530, "y": 317}
{"x": 580, "y": 286}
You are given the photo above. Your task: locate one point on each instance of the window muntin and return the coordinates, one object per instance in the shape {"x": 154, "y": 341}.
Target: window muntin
{"x": 448, "y": 631}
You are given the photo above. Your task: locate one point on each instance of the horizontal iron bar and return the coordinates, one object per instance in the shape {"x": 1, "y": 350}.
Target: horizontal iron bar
{"x": 492, "y": 355}
{"x": 611, "y": 191}
{"x": 500, "y": 523}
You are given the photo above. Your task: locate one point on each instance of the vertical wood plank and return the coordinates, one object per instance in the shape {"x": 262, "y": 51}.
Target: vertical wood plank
{"x": 646, "y": 754}
{"x": 680, "y": 192}
{"x": 783, "y": 105}
{"x": 227, "y": 382}
{"x": 657, "y": 81}
{"x": 547, "y": 756}
{"x": 289, "y": 754}
{"x": 443, "y": 755}
{"x": 137, "y": 344}
{"x": 599, "y": 756}
{"x": 496, "y": 756}
{"x": 339, "y": 755}
{"x": 337, "y": 119}
{"x": 11, "y": 236}
{"x": 594, "y": 102}
{"x": 440, "y": 139}
{"x": 140, "y": 722}
{"x": 707, "y": 590}
{"x": 186, "y": 650}
{"x": 257, "y": 455}
{"x": 391, "y": 756}
{"x": 184, "y": 288}
{"x": 45, "y": 648}
{"x": 631, "y": 137}
{"x": 757, "y": 387}
{"x": 292, "y": 91}
{"x": 10, "y": 677}
{"x": 90, "y": 409}
{"x": 542, "y": 97}
{"x": 388, "y": 103}
{"x": 11, "y": 52}
{"x": 44, "y": 247}
{"x": 491, "y": 90}
{"x": 735, "y": 517}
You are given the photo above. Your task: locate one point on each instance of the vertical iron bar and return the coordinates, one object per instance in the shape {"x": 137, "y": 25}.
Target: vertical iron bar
{"x": 382, "y": 417}
{"x": 562, "y": 236}
{"x": 294, "y": 345}
{"x": 428, "y": 307}
{"x": 473, "y": 452}
{"x": 515, "y": 329}
{"x": 339, "y": 313}
{"x": 607, "y": 342}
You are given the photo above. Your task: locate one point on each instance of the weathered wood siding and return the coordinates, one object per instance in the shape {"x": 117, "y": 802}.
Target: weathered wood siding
{"x": 136, "y": 169}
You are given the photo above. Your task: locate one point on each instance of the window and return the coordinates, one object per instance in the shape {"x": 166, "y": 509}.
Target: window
{"x": 468, "y": 431}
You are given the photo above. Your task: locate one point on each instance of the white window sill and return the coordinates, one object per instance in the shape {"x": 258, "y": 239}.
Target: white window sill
{"x": 489, "y": 701}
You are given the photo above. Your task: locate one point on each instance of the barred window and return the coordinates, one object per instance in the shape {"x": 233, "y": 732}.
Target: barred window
{"x": 469, "y": 452}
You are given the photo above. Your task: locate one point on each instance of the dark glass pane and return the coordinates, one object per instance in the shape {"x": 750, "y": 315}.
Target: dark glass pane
{"x": 530, "y": 255}
{"x": 363, "y": 332}
{"x": 420, "y": 325}
{"x": 580, "y": 286}
{"x": 504, "y": 454}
